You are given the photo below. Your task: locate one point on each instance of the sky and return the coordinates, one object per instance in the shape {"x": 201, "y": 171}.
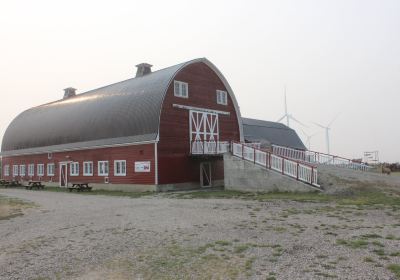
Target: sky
{"x": 339, "y": 60}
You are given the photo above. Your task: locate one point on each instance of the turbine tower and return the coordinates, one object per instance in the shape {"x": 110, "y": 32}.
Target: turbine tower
{"x": 287, "y": 115}
{"x": 327, "y": 128}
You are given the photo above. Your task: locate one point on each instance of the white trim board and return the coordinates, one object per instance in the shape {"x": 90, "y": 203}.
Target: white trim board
{"x": 200, "y": 109}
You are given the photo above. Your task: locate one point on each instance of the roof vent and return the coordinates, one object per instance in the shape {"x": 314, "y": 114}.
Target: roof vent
{"x": 69, "y": 92}
{"x": 143, "y": 69}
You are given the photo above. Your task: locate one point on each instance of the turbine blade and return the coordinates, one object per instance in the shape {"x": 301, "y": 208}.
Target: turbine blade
{"x": 284, "y": 116}
{"x": 299, "y": 122}
{"x": 320, "y": 125}
{"x": 334, "y": 119}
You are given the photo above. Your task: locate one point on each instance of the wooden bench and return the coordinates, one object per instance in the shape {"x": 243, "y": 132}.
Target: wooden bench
{"x": 35, "y": 184}
{"x": 80, "y": 187}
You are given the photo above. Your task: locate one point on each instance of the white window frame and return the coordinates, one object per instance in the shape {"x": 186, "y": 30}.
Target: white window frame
{"x": 100, "y": 170}
{"x": 119, "y": 167}
{"x": 51, "y": 169}
{"x": 74, "y": 169}
{"x": 40, "y": 169}
{"x": 222, "y": 97}
{"x": 22, "y": 170}
{"x": 7, "y": 170}
{"x": 15, "y": 170}
{"x": 31, "y": 169}
{"x": 178, "y": 89}
{"x": 85, "y": 164}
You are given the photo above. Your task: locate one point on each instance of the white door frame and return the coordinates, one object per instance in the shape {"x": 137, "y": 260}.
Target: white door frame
{"x": 204, "y": 165}
{"x": 63, "y": 165}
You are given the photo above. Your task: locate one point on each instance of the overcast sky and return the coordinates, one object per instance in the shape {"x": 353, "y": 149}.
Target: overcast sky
{"x": 336, "y": 57}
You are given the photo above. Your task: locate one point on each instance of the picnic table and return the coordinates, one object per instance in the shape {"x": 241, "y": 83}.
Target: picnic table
{"x": 80, "y": 187}
{"x": 12, "y": 183}
{"x": 35, "y": 184}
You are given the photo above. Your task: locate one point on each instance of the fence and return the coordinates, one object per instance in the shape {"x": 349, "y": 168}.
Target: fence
{"x": 299, "y": 170}
{"x": 318, "y": 158}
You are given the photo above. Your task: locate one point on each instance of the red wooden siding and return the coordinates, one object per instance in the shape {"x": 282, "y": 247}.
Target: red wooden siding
{"x": 175, "y": 163}
{"x": 131, "y": 154}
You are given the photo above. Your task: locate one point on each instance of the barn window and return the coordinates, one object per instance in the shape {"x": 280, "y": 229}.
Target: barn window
{"x": 31, "y": 169}
{"x": 120, "y": 168}
{"x": 40, "y": 169}
{"x": 88, "y": 168}
{"x": 222, "y": 97}
{"x": 50, "y": 169}
{"x": 103, "y": 168}
{"x": 6, "y": 170}
{"x": 22, "y": 170}
{"x": 181, "y": 89}
{"x": 15, "y": 170}
{"x": 74, "y": 169}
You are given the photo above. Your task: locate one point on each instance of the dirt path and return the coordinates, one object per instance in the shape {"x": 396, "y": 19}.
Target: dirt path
{"x": 72, "y": 236}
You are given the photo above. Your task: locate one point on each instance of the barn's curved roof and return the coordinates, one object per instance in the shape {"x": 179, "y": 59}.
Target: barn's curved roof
{"x": 117, "y": 114}
{"x": 271, "y": 133}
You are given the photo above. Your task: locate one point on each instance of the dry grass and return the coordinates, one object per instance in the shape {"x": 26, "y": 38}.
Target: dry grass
{"x": 11, "y": 207}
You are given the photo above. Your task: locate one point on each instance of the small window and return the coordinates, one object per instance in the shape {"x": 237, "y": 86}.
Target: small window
{"x": 22, "y": 170}
{"x": 74, "y": 168}
{"x": 181, "y": 89}
{"x": 40, "y": 169}
{"x": 6, "y": 170}
{"x": 88, "y": 168}
{"x": 103, "y": 168}
{"x": 222, "y": 97}
{"x": 15, "y": 170}
{"x": 31, "y": 169}
{"x": 50, "y": 169}
{"x": 120, "y": 168}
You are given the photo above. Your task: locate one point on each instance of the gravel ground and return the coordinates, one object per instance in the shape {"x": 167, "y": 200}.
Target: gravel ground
{"x": 74, "y": 236}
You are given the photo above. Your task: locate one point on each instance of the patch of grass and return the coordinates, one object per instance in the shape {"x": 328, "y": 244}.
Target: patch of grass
{"x": 249, "y": 263}
{"x": 223, "y": 243}
{"x": 13, "y": 207}
{"x": 371, "y": 235}
{"x": 395, "y": 268}
{"x": 355, "y": 244}
{"x": 379, "y": 252}
{"x": 101, "y": 192}
{"x": 369, "y": 259}
{"x": 241, "y": 248}
{"x": 377, "y": 243}
{"x": 360, "y": 197}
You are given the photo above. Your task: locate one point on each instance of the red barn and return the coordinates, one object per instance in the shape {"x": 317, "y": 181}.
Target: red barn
{"x": 161, "y": 130}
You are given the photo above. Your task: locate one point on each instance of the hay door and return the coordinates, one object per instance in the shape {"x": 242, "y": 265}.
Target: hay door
{"x": 204, "y": 127}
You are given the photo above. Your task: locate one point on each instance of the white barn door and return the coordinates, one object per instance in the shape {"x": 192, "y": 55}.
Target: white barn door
{"x": 203, "y": 126}
{"x": 204, "y": 132}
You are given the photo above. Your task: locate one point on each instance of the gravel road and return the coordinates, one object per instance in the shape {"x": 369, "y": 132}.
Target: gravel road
{"x": 74, "y": 236}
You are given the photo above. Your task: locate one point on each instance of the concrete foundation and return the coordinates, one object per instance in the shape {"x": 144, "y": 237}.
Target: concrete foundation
{"x": 242, "y": 175}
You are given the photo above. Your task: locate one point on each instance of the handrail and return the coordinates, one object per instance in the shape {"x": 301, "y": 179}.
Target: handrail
{"x": 317, "y": 157}
{"x": 300, "y": 171}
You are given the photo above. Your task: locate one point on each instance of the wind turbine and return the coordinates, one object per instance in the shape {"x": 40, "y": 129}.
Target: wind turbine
{"x": 308, "y": 137}
{"x": 327, "y": 128}
{"x": 289, "y": 116}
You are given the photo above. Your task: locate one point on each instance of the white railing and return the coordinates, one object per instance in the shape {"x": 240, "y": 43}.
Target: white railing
{"x": 209, "y": 147}
{"x": 299, "y": 170}
{"x": 318, "y": 158}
